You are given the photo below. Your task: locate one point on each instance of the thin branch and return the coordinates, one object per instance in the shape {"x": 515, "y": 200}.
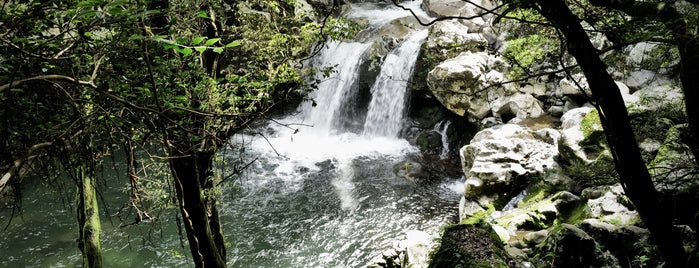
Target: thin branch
{"x": 47, "y": 77}
{"x": 17, "y": 164}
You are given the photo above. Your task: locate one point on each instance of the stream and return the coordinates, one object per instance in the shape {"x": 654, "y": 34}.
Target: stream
{"x": 321, "y": 193}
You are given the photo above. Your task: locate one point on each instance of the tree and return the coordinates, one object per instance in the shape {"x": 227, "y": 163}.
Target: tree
{"x": 183, "y": 75}
{"x": 632, "y": 170}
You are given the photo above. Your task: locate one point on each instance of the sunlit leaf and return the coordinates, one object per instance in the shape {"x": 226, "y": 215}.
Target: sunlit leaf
{"x": 198, "y": 40}
{"x": 218, "y": 50}
{"x": 212, "y": 41}
{"x": 234, "y": 43}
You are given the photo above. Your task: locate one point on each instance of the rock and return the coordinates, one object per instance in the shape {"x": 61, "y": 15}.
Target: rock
{"x": 417, "y": 245}
{"x": 502, "y": 156}
{"x": 569, "y": 246}
{"x": 566, "y": 87}
{"x": 448, "y": 39}
{"x": 503, "y": 233}
{"x": 651, "y": 99}
{"x": 465, "y": 245}
{"x": 520, "y": 105}
{"x": 583, "y": 147}
{"x": 535, "y": 238}
{"x": 459, "y": 83}
{"x": 468, "y": 208}
{"x": 303, "y": 9}
{"x": 569, "y": 104}
{"x": 536, "y": 90}
{"x": 608, "y": 208}
{"x": 442, "y": 8}
{"x": 624, "y": 242}
{"x": 411, "y": 171}
{"x": 673, "y": 167}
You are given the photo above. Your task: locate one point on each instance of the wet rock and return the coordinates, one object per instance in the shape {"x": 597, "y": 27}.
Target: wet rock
{"x": 412, "y": 171}
{"x": 468, "y": 208}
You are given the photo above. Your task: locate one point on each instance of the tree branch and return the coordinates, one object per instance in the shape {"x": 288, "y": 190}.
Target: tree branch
{"x": 17, "y": 164}
{"x": 47, "y": 77}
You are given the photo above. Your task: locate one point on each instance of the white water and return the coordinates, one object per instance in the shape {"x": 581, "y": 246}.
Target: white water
{"x": 322, "y": 197}
{"x": 385, "y": 116}
{"x": 442, "y": 128}
{"x": 345, "y": 58}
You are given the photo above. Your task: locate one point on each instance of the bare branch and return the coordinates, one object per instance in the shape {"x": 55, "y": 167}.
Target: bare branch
{"x": 48, "y": 77}
{"x": 17, "y": 164}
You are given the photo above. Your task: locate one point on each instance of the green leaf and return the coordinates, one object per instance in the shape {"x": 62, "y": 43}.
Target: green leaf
{"x": 212, "y": 41}
{"x": 218, "y": 50}
{"x": 200, "y": 49}
{"x": 202, "y": 14}
{"x": 198, "y": 40}
{"x": 186, "y": 51}
{"x": 234, "y": 43}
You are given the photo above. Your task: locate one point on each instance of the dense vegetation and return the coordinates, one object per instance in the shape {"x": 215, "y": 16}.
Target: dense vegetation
{"x": 168, "y": 82}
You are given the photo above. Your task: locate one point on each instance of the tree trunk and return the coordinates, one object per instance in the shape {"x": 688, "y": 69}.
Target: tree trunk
{"x": 199, "y": 216}
{"x": 629, "y": 164}
{"x": 88, "y": 219}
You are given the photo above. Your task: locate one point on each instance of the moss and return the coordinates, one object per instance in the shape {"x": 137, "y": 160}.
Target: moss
{"x": 469, "y": 246}
{"x": 573, "y": 216}
{"x": 535, "y": 194}
{"x": 479, "y": 217}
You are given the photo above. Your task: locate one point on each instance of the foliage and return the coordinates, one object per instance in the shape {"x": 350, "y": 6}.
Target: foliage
{"x": 158, "y": 79}
{"x": 528, "y": 53}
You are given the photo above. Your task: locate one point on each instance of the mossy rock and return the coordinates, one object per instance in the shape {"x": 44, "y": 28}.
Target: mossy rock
{"x": 469, "y": 245}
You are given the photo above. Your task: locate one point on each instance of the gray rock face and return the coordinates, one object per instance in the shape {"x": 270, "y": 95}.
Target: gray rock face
{"x": 499, "y": 156}
{"x": 462, "y": 84}
{"x": 519, "y": 105}
{"x": 447, "y": 39}
{"x": 573, "y": 247}
{"x": 609, "y": 208}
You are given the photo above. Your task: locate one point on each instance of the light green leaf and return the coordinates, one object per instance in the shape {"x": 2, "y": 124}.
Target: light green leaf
{"x": 200, "y": 49}
{"x": 218, "y": 50}
{"x": 202, "y": 14}
{"x": 234, "y": 43}
{"x": 186, "y": 51}
{"x": 212, "y": 41}
{"x": 198, "y": 40}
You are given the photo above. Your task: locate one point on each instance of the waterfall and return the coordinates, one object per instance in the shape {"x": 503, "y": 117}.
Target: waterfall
{"x": 387, "y": 106}
{"x": 442, "y": 128}
{"x": 345, "y": 58}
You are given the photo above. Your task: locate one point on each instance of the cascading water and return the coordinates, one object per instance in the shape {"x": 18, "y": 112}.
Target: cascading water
{"x": 326, "y": 197}
{"x": 335, "y": 88}
{"x": 385, "y": 115}
{"x": 442, "y": 129}
{"x": 316, "y": 196}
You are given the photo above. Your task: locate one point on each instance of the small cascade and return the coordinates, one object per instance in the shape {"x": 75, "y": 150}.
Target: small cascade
{"x": 389, "y": 92}
{"x": 345, "y": 58}
{"x": 442, "y": 128}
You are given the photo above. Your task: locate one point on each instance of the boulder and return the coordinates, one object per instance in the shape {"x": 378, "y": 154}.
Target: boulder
{"x": 582, "y": 138}
{"x": 673, "y": 166}
{"x": 570, "y": 246}
{"x": 444, "y": 8}
{"x": 462, "y": 84}
{"x": 519, "y": 105}
{"x": 500, "y": 157}
{"x": 417, "y": 245}
{"x": 469, "y": 245}
{"x": 447, "y": 39}
{"x": 612, "y": 207}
